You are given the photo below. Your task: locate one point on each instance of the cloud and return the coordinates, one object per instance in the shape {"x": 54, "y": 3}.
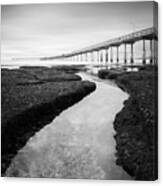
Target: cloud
{"x": 52, "y": 29}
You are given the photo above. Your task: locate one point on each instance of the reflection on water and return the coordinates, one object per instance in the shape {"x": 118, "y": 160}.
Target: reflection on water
{"x": 79, "y": 143}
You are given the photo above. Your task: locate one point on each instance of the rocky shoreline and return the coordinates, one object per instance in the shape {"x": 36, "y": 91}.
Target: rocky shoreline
{"x": 32, "y": 98}
{"x": 137, "y": 123}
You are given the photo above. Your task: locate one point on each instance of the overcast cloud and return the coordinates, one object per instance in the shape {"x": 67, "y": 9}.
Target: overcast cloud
{"x": 52, "y": 29}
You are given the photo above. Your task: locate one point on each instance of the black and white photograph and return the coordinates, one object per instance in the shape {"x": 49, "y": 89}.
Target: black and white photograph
{"x": 79, "y": 90}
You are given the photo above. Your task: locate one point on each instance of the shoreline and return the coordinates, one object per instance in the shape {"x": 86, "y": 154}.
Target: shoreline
{"x": 136, "y": 124}
{"x": 38, "y": 107}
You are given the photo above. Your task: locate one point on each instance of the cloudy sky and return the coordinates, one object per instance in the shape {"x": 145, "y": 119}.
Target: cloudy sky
{"x": 52, "y": 29}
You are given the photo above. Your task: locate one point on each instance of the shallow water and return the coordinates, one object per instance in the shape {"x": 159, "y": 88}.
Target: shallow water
{"x": 78, "y": 143}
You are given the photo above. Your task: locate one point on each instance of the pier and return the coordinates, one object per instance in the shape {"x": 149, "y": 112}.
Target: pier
{"x": 103, "y": 52}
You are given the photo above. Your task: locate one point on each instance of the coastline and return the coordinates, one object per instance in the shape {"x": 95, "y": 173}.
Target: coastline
{"x": 136, "y": 124}
{"x": 31, "y": 98}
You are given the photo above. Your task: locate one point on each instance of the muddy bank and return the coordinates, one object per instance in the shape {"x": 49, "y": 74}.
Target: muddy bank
{"x": 32, "y": 98}
{"x": 136, "y": 124}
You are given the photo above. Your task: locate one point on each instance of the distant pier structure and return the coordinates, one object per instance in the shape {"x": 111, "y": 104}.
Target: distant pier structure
{"x": 103, "y": 52}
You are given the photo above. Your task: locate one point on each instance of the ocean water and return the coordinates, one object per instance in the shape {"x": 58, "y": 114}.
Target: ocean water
{"x": 49, "y": 63}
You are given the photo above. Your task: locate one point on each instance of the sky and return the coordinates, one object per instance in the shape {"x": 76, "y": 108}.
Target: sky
{"x": 40, "y": 30}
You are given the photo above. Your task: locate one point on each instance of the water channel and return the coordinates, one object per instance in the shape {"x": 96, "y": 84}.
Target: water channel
{"x": 79, "y": 143}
